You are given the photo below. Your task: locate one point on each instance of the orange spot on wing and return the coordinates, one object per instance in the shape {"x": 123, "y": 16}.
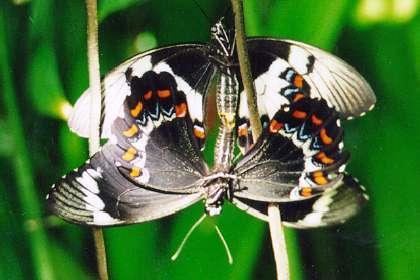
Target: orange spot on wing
{"x": 306, "y": 191}
{"x": 199, "y": 132}
{"x": 164, "y": 93}
{"x": 136, "y": 111}
{"x": 181, "y": 110}
{"x": 130, "y": 154}
{"x": 243, "y": 130}
{"x": 135, "y": 172}
{"x": 321, "y": 156}
{"x": 324, "y": 137}
{"x": 131, "y": 131}
{"x": 315, "y": 120}
{"x": 319, "y": 178}
{"x": 299, "y": 114}
{"x": 298, "y": 96}
{"x": 317, "y": 173}
{"x": 275, "y": 126}
{"x": 148, "y": 95}
{"x": 298, "y": 81}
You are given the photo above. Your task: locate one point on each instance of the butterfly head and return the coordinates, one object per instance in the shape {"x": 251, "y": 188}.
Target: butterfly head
{"x": 223, "y": 39}
{"x": 215, "y": 195}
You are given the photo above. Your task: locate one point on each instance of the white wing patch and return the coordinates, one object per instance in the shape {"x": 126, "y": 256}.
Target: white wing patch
{"x": 115, "y": 90}
{"x": 267, "y": 87}
{"x": 102, "y": 218}
{"x": 332, "y": 79}
{"x": 320, "y": 207}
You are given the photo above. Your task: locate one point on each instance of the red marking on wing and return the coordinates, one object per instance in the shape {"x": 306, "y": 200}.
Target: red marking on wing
{"x": 181, "y": 110}
{"x": 275, "y": 126}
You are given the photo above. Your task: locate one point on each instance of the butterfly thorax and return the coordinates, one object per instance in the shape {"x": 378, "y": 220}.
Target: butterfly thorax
{"x": 218, "y": 187}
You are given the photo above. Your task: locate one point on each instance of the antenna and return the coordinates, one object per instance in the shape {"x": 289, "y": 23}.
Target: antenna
{"x": 192, "y": 229}
{"x": 229, "y": 255}
{"x": 181, "y": 246}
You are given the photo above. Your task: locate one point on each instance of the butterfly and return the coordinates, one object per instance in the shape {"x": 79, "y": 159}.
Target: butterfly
{"x": 152, "y": 115}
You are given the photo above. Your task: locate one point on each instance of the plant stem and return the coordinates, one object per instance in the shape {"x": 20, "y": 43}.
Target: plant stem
{"x": 278, "y": 242}
{"x": 94, "y": 76}
{"x": 245, "y": 69}
{"x": 22, "y": 168}
{"x": 98, "y": 237}
{"x": 276, "y": 230}
{"x": 95, "y": 114}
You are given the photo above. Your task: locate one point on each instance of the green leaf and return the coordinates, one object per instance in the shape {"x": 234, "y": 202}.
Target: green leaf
{"x": 66, "y": 266}
{"x": 10, "y": 265}
{"x": 390, "y": 167}
{"x": 7, "y": 145}
{"x": 21, "y": 165}
{"x": 314, "y": 22}
{"x": 107, "y": 7}
{"x": 44, "y": 85}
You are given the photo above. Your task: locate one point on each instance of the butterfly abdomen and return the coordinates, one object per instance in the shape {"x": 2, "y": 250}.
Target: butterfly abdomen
{"x": 227, "y": 103}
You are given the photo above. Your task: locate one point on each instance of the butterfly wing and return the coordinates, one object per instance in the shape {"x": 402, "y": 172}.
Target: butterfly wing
{"x": 187, "y": 63}
{"x": 150, "y": 167}
{"x": 284, "y": 70}
{"x": 97, "y": 194}
{"x": 298, "y": 158}
{"x": 334, "y": 206}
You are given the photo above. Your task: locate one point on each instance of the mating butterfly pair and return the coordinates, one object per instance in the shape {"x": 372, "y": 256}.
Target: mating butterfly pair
{"x": 154, "y": 105}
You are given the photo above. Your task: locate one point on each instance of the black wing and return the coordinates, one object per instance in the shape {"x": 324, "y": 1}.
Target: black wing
{"x": 334, "y": 206}
{"x": 187, "y": 63}
{"x": 284, "y": 70}
{"x": 298, "y": 158}
{"x": 151, "y": 166}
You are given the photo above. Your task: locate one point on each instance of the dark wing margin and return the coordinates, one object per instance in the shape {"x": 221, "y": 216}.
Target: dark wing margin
{"x": 334, "y": 206}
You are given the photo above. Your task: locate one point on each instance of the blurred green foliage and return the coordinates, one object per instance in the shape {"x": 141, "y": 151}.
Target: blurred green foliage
{"x": 43, "y": 69}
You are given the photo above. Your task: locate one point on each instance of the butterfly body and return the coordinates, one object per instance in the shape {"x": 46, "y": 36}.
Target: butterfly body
{"x": 154, "y": 106}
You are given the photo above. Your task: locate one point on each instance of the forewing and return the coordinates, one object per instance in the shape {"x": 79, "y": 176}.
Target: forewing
{"x": 151, "y": 166}
{"x": 284, "y": 70}
{"x": 187, "y": 63}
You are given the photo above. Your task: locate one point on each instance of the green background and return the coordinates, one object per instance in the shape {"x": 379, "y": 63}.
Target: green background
{"x": 43, "y": 68}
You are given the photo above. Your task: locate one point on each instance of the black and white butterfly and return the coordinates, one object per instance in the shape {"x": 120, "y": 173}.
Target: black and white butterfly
{"x": 153, "y": 113}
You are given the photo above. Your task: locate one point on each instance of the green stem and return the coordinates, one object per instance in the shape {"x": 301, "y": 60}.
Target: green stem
{"x": 22, "y": 168}
{"x": 95, "y": 114}
{"x": 245, "y": 68}
{"x": 94, "y": 76}
{"x": 276, "y": 229}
